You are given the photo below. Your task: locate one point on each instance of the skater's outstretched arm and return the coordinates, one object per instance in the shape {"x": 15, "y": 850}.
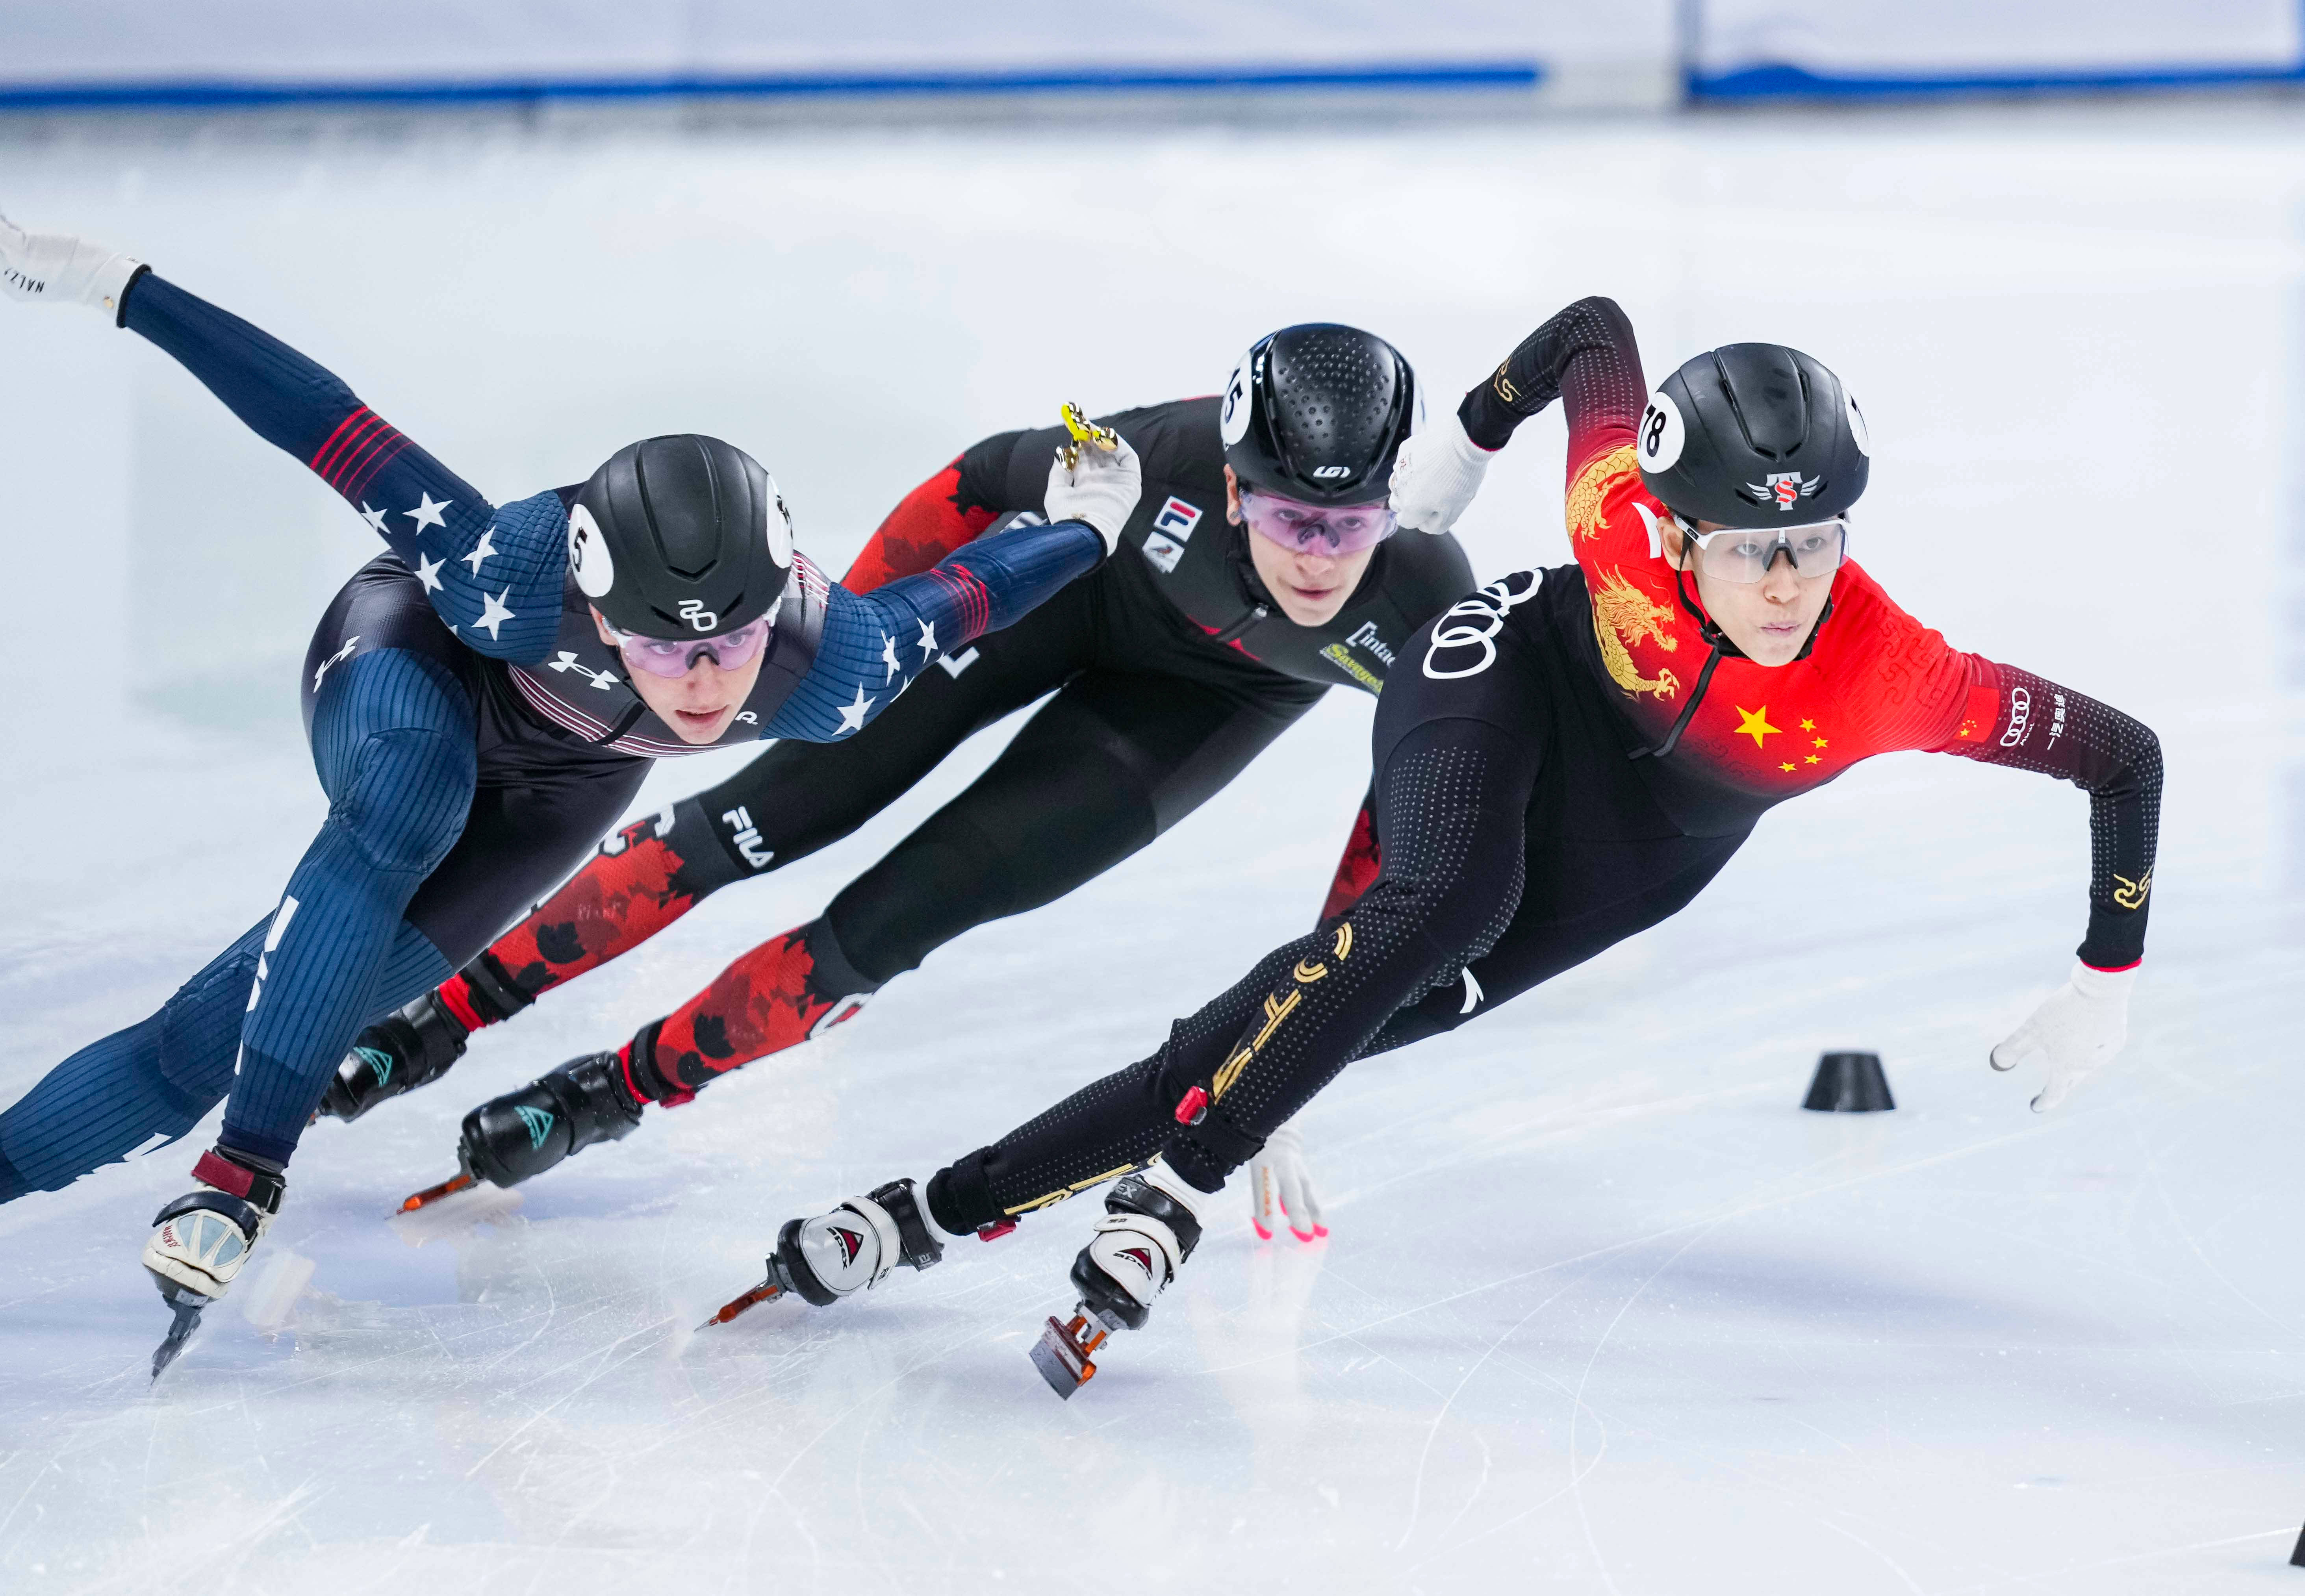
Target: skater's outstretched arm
{"x": 874, "y": 644}
{"x": 1586, "y": 356}
{"x": 1001, "y": 475}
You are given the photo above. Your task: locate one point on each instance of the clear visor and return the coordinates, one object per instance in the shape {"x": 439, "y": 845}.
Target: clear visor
{"x": 1745, "y": 554}
{"x": 678, "y": 656}
{"x": 1315, "y": 528}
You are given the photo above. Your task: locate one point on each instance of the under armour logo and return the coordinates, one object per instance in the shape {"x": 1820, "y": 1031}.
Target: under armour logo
{"x": 567, "y": 661}
{"x": 338, "y": 657}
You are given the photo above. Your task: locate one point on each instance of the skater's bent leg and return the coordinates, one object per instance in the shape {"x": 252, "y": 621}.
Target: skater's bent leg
{"x": 154, "y": 1080}
{"x": 1111, "y": 763}
{"x": 1453, "y": 793}
{"x": 793, "y": 799}
{"x": 392, "y": 739}
{"x": 1107, "y": 766}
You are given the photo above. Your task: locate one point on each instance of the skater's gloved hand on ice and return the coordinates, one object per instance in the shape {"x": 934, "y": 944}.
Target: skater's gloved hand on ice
{"x": 57, "y": 266}
{"x": 1280, "y": 1189}
{"x": 1100, "y": 486}
{"x": 1436, "y": 475}
{"x": 2082, "y": 1026}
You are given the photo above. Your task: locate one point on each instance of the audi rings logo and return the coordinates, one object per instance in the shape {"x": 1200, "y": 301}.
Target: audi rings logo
{"x": 1474, "y": 623}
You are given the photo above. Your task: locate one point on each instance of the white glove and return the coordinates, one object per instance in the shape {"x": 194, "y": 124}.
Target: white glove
{"x": 1280, "y": 1189}
{"x": 1100, "y": 488}
{"x": 57, "y": 266}
{"x": 1436, "y": 475}
{"x": 2082, "y": 1025}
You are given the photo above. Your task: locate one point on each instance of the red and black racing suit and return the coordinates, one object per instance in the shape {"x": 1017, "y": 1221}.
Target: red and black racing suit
{"x": 1527, "y": 812}
{"x": 1169, "y": 668}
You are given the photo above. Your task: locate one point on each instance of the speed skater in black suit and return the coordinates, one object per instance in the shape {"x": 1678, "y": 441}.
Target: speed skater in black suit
{"x": 1262, "y": 575}
{"x": 1566, "y": 758}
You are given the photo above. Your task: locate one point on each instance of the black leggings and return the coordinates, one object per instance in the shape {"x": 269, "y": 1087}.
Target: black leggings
{"x": 1517, "y": 841}
{"x": 1143, "y": 728}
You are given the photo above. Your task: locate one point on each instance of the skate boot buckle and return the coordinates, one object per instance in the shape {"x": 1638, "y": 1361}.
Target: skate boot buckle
{"x": 1062, "y": 1353}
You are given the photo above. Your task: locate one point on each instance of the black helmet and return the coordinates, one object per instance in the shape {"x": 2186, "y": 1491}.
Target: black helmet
{"x": 1317, "y": 412}
{"x": 681, "y": 536}
{"x": 1751, "y": 435}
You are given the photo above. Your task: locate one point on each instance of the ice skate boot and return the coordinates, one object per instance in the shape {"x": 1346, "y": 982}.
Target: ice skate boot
{"x": 520, "y": 1135}
{"x": 1148, "y": 1230}
{"x": 408, "y": 1048}
{"x": 854, "y": 1247}
{"x": 201, "y": 1240}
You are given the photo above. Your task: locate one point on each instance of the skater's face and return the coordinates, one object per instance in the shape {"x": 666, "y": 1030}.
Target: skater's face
{"x": 1769, "y": 619}
{"x": 701, "y": 705}
{"x": 1309, "y": 587}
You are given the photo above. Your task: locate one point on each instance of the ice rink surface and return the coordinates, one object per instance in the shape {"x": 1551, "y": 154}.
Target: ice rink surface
{"x": 1602, "y": 1310}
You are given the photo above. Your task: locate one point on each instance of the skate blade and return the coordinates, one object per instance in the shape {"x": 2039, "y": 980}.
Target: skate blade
{"x": 767, "y": 1291}
{"x": 431, "y": 1194}
{"x": 188, "y": 1305}
{"x": 1061, "y": 1354}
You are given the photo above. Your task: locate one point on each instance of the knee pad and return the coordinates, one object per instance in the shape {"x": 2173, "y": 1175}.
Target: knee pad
{"x": 405, "y": 803}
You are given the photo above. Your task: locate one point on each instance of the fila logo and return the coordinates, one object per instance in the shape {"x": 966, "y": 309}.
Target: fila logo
{"x": 2020, "y": 710}
{"x": 739, "y": 821}
{"x": 1329, "y": 473}
{"x": 603, "y": 680}
{"x": 692, "y": 611}
{"x": 280, "y": 919}
{"x": 1178, "y": 519}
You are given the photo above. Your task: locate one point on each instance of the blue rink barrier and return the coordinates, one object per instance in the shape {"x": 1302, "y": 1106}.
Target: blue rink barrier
{"x": 1436, "y": 76}
{"x": 1777, "y": 81}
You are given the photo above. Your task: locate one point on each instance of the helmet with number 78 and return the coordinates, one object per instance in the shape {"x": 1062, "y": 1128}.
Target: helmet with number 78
{"x": 1753, "y": 435}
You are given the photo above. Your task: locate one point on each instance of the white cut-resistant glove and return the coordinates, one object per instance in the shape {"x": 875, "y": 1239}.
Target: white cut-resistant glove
{"x": 2081, "y": 1026}
{"x": 1436, "y": 475}
{"x": 1280, "y": 1189}
{"x": 57, "y": 266}
{"x": 1100, "y": 488}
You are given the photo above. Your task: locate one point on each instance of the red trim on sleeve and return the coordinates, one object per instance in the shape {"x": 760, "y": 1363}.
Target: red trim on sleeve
{"x": 2114, "y": 969}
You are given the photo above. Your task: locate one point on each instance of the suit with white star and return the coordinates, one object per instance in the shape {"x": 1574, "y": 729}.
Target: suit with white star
{"x": 475, "y": 739}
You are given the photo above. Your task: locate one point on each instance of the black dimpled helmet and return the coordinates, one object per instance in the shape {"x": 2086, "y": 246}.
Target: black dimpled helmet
{"x": 681, "y": 536}
{"x": 1754, "y": 435}
{"x": 1317, "y": 412}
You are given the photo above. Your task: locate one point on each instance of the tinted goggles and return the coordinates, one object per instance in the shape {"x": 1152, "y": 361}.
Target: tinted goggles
{"x": 678, "y": 656}
{"x": 1315, "y": 528}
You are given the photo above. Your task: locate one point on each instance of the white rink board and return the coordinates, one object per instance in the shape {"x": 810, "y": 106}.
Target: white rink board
{"x": 1602, "y": 1312}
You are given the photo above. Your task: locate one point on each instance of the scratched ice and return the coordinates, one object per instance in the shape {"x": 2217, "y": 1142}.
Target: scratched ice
{"x": 1602, "y": 1310}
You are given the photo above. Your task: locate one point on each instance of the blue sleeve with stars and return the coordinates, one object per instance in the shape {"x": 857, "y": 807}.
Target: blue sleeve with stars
{"x": 875, "y": 643}
{"x": 494, "y": 576}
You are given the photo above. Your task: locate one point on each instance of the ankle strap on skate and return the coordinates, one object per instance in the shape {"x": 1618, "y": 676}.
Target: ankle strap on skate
{"x": 489, "y": 990}
{"x": 1134, "y": 1194}
{"x": 918, "y": 1245}
{"x": 259, "y": 1188}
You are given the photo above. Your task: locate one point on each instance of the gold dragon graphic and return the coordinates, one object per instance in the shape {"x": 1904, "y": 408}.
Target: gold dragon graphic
{"x": 1594, "y": 484}
{"x": 1622, "y": 616}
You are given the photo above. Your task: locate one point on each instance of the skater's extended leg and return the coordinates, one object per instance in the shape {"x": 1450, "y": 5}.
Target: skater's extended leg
{"x": 1111, "y": 763}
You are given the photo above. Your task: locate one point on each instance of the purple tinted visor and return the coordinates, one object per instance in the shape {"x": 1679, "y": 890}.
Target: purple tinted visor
{"x": 678, "y": 656}
{"x": 1315, "y": 528}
